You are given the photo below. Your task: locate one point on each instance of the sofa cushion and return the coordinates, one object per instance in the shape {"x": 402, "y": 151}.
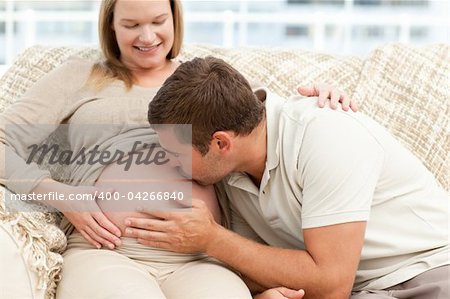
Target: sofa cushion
{"x": 407, "y": 90}
{"x": 31, "y": 260}
{"x": 15, "y": 275}
{"x": 282, "y": 70}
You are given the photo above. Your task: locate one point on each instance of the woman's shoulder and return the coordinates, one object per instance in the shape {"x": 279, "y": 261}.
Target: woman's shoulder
{"x": 71, "y": 74}
{"x": 77, "y": 65}
{"x": 65, "y": 79}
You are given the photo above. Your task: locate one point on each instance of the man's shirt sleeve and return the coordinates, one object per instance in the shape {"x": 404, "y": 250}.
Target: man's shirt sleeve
{"x": 338, "y": 169}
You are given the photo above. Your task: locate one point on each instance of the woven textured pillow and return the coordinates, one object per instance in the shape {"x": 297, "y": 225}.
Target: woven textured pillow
{"x": 283, "y": 70}
{"x": 408, "y": 91}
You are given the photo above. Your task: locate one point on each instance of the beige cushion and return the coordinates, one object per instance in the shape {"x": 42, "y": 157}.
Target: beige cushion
{"x": 408, "y": 91}
{"x": 39, "y": 242}
{"x": 17, "y": 281}
{"x": 283, "y": 70}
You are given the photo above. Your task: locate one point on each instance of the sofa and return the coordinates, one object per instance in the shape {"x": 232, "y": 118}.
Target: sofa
{"x": 406, "y": 89}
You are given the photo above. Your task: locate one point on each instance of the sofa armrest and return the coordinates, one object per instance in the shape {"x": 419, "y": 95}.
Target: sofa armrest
{"x": 17, "y": 280}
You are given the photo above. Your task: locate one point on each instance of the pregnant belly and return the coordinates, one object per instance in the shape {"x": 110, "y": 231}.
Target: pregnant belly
{"x": 154, "y": 187}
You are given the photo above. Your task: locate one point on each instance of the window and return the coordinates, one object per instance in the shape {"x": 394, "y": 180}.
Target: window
{"x": 55, "y": 5}
{"x": 293, "y": 31}
{"x": 312, "y": 24}
{"x": 319, "y": 2}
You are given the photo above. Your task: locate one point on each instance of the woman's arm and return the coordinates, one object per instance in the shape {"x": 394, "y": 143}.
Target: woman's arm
{"x": 85, "y": 215}
{"x": 28, "y": 122}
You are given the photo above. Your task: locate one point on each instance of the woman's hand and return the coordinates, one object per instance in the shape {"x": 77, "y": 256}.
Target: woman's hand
{"x": 281, "y": 293}
{"x": 325, "y": 92}
{"x": 90, "y": 221}
{"x": 85, "y": 215}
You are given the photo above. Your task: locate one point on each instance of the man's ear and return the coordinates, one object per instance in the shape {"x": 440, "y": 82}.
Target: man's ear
{"x": 222, "y": 142}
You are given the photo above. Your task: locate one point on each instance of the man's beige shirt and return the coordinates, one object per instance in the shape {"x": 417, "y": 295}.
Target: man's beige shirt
{"x": 328, "y": 167}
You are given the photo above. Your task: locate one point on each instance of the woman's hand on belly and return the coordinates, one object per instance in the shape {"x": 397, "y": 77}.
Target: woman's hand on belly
{"x": 80, "y": 208}
{"x": 119, "y": 218}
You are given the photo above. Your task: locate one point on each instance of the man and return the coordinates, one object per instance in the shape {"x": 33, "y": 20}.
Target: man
{"x": 335, "y": 204}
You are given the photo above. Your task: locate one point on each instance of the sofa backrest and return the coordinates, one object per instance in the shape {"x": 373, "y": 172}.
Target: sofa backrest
{"x": 406, "y": 89}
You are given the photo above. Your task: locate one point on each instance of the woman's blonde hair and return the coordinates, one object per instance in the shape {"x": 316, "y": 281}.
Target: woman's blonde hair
{"x": 111, "y": 67}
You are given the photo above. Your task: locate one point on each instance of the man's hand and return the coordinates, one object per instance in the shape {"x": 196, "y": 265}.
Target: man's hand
{"x": 281, "y": 293}
{"x": 185, "y": 232}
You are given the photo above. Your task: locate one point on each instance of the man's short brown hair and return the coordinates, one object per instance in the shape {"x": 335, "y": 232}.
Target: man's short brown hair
{"x": 212, "y": 96}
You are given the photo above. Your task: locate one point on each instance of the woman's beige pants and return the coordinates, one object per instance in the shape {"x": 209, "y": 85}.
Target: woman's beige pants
{"x": 135, "y": 271}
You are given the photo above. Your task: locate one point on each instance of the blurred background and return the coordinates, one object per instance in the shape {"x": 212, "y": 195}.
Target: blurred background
{"x": 344, "y": 27}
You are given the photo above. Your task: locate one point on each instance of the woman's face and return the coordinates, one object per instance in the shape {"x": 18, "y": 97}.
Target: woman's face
{"x": 144, "y": 32}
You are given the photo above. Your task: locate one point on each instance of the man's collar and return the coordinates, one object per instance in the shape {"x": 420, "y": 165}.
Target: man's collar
{"x": 274, "y": 105}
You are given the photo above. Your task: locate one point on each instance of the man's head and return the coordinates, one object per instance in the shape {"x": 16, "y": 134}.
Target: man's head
{"x": 218, "y": 102}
